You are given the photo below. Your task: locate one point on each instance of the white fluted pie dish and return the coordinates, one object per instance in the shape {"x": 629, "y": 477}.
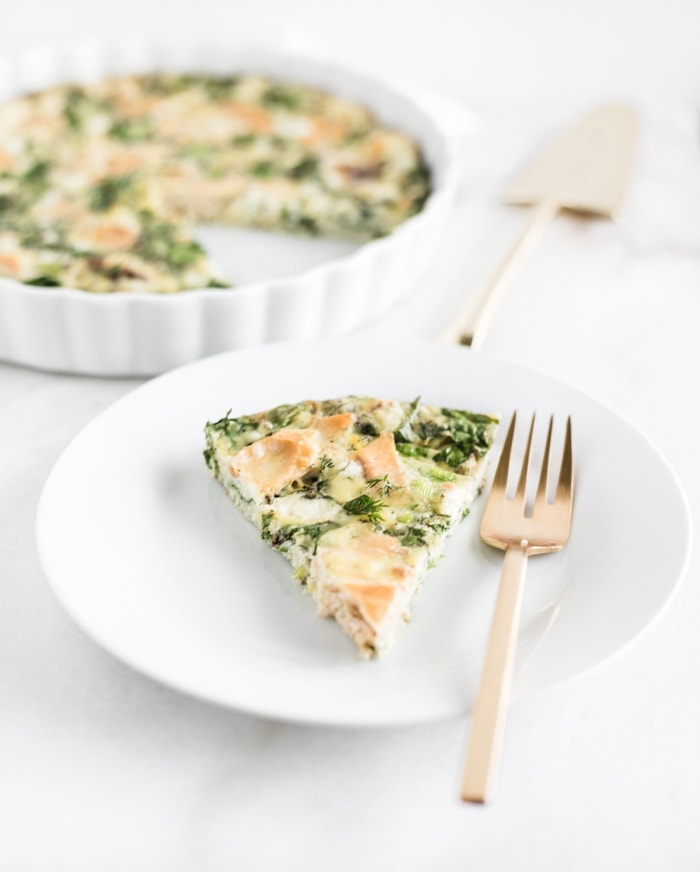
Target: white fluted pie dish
{"x": 291, "y": 289}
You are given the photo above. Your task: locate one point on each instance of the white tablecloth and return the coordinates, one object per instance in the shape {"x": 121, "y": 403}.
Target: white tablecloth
{"x": 103, "y": 769}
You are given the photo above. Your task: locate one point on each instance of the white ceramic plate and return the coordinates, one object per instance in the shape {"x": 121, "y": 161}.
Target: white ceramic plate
{"x": 145, "y": 551}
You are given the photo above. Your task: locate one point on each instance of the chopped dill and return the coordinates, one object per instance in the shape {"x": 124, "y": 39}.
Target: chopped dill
{"x": 365, "y": 505}
{"x": 384, "y": 485}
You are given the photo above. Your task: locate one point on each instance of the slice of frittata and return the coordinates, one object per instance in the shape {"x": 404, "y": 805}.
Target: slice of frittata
{"x": 358, "y": 493}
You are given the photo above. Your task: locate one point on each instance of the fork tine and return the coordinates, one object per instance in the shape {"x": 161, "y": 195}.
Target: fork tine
{"x": 522, "y": 481}
{"x": 565, "y": 485}
{"x": 542, "y": 484}
{"x": 500, "y": 479}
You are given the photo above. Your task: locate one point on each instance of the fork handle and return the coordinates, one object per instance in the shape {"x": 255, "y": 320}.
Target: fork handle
{"x": 485, "y": 746}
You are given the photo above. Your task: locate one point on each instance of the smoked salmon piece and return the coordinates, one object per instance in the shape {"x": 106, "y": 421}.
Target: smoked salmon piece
{"x": 380, "y": 460}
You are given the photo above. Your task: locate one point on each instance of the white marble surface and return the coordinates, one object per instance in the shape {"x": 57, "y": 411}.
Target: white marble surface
{"x": 103, "y": 769}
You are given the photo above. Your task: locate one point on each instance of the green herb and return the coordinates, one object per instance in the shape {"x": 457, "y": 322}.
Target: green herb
{"x": 416, "y": 177}
{"x": 8, "y": 203}
{"x": 184, "y": 254}
{"x": 73, "y": 108}
{"x": 308, "y": 225}
{"x": 217, "y": 283}
{"x": 234, "y": 426}
{"x": 219, "y": 88}
{"x": 416, "y": 185}
{"x": 358, "y": 135}
{"x": 109, "y": 191}
{"x": 31, "y": 237}
{"x": 424, "y": 489}
{"x": 239, "y": 493}
{"x": 416, "y": 534}
{"x": 43, "y": 282}
{"x": 243, "y": 140}
{"x": 385, "y": 486}
{"x": 428, "y": 431}
{"x": 301, "y": 573}
{"x": 454, "y": 438}
{"x": 198, "y": 150}
{"x": 207, "y": 157}
{"x": 314, "y": 483}
{"x": 167, "y": 85}
{"x": 296, "y": 222}
{"x": 37, "y": 175}
{"x": 315, "y": 531}
{"x": 332, "y": 407}
{"x": 435, "y": 473}
{"x": 159, "y": 241}
{"x": 364, "y": 221}
{"x": 365, "y": 505}
{"x": 304, "y": 169}
{"x": 413, "y": 537}
{"x": 452, "y": 456}
{"x": 410, "y": 449}
{"x": 437, "y": 523}
{"x": 265, "y": 522}
{"x": 132, "y": 129}
{"x": 469, "y": 432}
{"x": 263, "y": 170}
{"x": 281, "y": 96}
{"x": 286, "y": 414}
{"x": 307, "y": 535}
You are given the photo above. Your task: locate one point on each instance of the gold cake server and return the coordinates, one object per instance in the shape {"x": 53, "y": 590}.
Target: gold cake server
{"x": 585, "y": 171}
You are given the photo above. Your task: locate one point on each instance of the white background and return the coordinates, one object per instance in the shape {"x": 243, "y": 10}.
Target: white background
{"x": 101, "y": 769}
{"x": 542, "y": 51}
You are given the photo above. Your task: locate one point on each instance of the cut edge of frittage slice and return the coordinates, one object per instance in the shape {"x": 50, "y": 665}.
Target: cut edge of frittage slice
{"x": 358, "y": 493}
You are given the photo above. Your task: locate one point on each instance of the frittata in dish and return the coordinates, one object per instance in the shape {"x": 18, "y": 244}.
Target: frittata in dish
{"x": 358, "y": 493}
{"x": 101, "y": 185}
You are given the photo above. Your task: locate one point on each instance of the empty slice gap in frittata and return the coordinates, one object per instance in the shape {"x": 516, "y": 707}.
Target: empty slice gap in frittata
{"x": 358, "y": 493}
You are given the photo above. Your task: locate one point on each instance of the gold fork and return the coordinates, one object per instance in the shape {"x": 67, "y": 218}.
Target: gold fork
{"x": 521, "y": 530}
